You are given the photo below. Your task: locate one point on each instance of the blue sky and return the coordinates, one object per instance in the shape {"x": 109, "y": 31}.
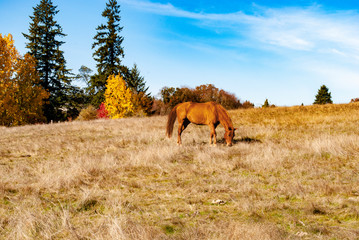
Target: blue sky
{"x": 255, "y": 49}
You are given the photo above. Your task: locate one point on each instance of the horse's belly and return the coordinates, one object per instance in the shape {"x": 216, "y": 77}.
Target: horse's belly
{"x": 198, "y": 119}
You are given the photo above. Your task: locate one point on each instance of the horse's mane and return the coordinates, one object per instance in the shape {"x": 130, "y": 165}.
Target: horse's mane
{"x": 224, "y": 117}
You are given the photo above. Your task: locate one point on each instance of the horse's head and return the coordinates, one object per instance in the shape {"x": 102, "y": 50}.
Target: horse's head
{"x": 229, "y": 135}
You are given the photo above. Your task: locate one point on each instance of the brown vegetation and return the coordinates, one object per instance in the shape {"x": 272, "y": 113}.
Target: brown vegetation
{"x": 170, "y": 97}
{"x": 292, "y": 174}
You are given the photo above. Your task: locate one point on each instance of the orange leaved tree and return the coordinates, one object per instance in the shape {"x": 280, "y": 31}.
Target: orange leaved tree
{"x": 21, "y": 96}
{"x": 118, "y": 98}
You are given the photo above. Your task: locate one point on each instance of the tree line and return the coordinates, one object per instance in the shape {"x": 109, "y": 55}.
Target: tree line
{"x": 170, "y": 97}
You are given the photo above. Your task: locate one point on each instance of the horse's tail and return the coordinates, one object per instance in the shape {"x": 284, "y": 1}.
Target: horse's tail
{"x": 171, "y": 121}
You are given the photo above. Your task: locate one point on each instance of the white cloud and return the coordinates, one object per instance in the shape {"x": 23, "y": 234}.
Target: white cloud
{"x": 305, "y": 29}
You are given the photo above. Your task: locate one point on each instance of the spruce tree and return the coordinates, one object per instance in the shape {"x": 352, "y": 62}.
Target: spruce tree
{"x": 44, "y": 45}
{"x": 136, "y": 82}
{"x": 108, "y": 51}
{"x": 323, "y": 96}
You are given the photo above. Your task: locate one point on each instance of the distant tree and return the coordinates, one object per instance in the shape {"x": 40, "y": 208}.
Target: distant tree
{"x": 247, "y": 104}
{"x": 207, "y": 93}
{"x": 323, "y": 96}
{"x": 84, "y": 75}
{"x": 118, "y": 98}
{"x": 21, "y": 97}
{"x": 44, "y": 46}
{"x": 82, "y": 95}
{"x": 266, "y": 104}
{"x": 228, "y": 100}
{"x": 108, "y": 51}
{"x": 166, "y": 94}
{"x": 204, "y": 93}
{"x": 183, "y": 94}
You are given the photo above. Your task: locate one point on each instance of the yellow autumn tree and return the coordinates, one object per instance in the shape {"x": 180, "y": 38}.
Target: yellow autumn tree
{"x": 21, "y": 97}
{"x": 118, "y": 98}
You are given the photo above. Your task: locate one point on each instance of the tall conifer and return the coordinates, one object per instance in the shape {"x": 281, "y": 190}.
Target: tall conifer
{"x": 108, "y": 51}
{"x": 136, "y": 82}
{"x": 44, "y": 45}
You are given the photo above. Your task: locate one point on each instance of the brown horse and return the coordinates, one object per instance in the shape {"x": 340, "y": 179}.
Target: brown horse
{"x": 209, "y": 113}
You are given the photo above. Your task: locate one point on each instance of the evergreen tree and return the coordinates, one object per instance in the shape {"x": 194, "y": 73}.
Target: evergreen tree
{"x": 141, "y": 99}
{"x": 323, "y": 96}
{"x": 136, "y": 82}
{"x": 44, "y": 46}
{"x": 108, "y": 51}
{"x": 266, "y": 104}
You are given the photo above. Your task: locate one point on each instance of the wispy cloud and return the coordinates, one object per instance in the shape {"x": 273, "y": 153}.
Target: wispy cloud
{"x": 309, "y": 29}
{"x": 303, "y": 29}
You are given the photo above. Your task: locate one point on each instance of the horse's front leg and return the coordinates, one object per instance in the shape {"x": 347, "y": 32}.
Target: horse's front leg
{"x": 213, "y": 134}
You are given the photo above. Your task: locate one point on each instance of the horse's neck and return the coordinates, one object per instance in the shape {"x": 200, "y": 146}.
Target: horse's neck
{"x": 226, "y": 123}
{"x": 225, "y": 120}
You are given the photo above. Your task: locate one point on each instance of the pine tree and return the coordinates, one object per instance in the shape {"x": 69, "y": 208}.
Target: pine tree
{"x": 323, "y": 96}
{"x": 141, "y": 99}
{"x": 136, "y": 82}
{"x": 108, "y": 51}
{"x": 44, "y": 46}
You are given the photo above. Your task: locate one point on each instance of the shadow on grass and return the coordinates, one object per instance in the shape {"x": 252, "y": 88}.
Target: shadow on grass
{"x": 235, "y": 141}
{"x": 247, "y": 140}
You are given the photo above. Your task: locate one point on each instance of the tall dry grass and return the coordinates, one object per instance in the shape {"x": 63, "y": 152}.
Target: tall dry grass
{"x": 291, "y": 174}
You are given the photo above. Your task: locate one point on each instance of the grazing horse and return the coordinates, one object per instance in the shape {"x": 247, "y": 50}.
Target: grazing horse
{"x": 209, "y": 113}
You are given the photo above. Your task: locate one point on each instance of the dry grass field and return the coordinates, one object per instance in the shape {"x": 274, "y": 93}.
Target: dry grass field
{"x": 293, "y": 173}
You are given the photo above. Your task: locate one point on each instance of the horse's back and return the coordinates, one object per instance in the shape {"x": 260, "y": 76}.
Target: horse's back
{"x": 198, "y": 113}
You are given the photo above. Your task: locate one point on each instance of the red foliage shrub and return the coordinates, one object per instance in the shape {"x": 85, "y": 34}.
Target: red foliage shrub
{"x": 102, "y": 112}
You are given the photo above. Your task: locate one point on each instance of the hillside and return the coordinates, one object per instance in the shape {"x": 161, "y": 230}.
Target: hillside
{"x": 293, "y": 172}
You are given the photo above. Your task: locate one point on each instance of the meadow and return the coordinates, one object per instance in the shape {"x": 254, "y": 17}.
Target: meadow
{"x": 293, "y": 173}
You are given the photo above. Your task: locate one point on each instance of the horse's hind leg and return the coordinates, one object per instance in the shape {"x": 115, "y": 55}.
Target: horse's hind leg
{"x": 182, "y": 124}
